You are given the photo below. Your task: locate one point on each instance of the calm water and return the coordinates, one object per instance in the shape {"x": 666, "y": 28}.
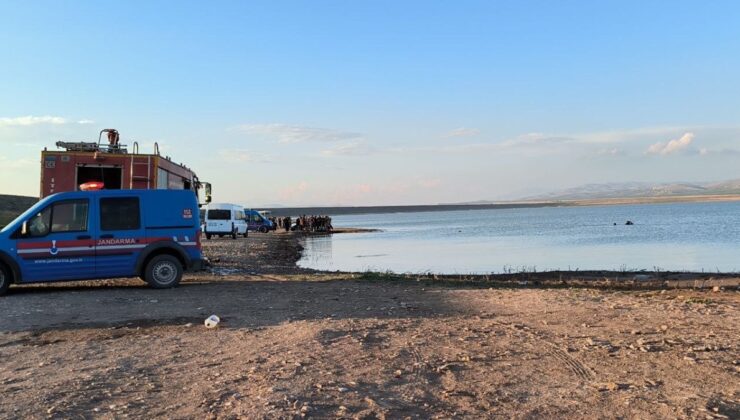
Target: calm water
{"x": 692, "y": 236}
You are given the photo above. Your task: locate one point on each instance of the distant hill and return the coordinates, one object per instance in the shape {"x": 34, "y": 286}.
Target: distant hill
{"x": 642, "y": 190}
{"x": 13, "y": 205}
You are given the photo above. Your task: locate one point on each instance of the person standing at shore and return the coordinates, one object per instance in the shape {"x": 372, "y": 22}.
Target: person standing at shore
{"x": 286, "y": 223}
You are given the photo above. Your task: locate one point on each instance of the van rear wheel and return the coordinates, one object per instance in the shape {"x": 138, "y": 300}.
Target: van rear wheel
{"x": 263, "y": 229}
{"x": 163, "y": 271}
{"x": 233, "y": 234}
{"x": 4, "y": 279}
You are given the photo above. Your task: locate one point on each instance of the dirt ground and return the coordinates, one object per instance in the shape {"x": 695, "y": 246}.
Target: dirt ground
{"x": 296, "y": 343}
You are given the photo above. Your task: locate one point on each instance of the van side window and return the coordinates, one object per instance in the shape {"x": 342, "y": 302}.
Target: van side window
{"x": 64, "y": 216}
{"x": 69, "y": 216}
{"x": 40, "y": 223}
{"x": 120, "y": 213}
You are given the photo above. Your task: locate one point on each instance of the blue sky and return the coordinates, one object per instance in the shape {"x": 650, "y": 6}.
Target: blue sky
{"x": 383, "y": 102}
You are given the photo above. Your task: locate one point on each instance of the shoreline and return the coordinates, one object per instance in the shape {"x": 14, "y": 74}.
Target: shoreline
{"x": 279, "y": 255}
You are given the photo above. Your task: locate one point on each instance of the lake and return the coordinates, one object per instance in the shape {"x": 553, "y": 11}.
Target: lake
{"x": 676, "y": 237}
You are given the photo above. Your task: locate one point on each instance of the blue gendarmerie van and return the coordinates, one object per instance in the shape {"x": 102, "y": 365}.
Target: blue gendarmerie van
{"x": 83, "y": 235}
{"x": 258, "y": 222}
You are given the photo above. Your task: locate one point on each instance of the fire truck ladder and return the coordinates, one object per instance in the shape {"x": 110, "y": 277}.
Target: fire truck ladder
{"x": 140, "y": 176}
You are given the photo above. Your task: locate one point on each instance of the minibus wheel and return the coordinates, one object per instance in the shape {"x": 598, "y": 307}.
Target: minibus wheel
{"x": 163, "y": 271}
{"x": 233, "y": 234}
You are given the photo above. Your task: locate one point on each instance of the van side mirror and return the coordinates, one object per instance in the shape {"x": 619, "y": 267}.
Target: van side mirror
{"x": 24, "y": 229}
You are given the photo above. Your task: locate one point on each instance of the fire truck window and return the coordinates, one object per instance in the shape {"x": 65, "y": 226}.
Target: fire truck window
{"x": 40, "y": 223}
{"x": 69, "y": 216}
{"x": 119, "y": 213}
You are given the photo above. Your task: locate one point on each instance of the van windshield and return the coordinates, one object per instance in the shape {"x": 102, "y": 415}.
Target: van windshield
{"x": 219, "y": 214}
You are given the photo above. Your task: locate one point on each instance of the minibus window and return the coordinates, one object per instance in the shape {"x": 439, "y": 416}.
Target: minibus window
{"x": 219, "y": 214}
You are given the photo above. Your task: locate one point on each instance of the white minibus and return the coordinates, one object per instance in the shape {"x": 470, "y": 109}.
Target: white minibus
{"x": 224, "y": 219}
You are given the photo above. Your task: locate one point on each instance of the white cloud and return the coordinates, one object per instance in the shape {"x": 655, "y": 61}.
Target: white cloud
{"x": 430, "y": 183}
{"x": 293, "y": 193}
{"x": 243, "y": 156}
{"x": 536, "y": 139}
{"x": 718, "y": 152}
{"x": 31, "y": 120}
{"x": 285, "y": 133}
{"x": 352, "y": 148}
{"x": 671, "y": 147}
{"x": 463, "y": 132}
{"x": 628, "y": 135}
{"x": 613, "y": 151}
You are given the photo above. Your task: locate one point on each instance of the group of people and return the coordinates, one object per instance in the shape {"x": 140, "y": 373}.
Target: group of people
{"x": 305, "y": 223}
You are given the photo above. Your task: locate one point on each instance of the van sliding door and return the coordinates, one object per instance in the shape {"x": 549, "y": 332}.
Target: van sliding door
{"x": 120, "y": 236}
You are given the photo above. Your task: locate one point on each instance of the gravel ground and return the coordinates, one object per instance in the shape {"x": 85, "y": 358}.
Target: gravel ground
{"x": 297, "y": 343}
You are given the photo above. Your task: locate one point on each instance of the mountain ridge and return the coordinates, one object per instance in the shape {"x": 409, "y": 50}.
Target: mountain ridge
{"x": 642, "y": 190}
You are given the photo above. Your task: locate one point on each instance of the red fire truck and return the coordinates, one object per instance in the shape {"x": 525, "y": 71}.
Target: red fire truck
{"x": 113, "y": 165}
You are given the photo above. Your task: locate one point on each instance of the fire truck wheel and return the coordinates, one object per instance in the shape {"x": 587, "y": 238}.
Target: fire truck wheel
{"x": 4, "y": 279}
{"x": 163, "y": 271}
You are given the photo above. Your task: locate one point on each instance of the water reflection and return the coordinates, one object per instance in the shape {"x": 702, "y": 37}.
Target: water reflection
{"x": 317, "y": 252}
{"x": 691, "y": 237}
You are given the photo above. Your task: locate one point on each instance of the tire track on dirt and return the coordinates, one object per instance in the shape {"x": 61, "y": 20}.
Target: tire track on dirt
{"x": 583, "y": 372}
{"x": 574, "y": 365}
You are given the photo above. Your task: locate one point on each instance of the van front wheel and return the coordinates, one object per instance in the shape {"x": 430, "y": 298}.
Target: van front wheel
{"x": 163, "y": 271}
{"x": 4, "y": 279}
